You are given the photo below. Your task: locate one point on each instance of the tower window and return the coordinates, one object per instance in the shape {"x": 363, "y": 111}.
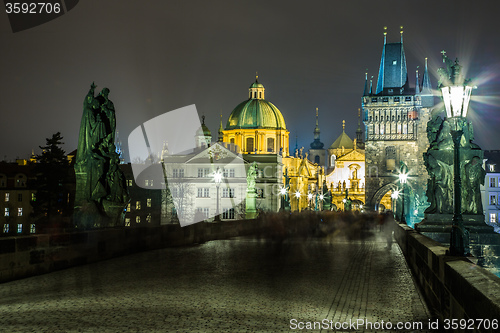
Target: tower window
{"x": 270, "y": 145}
{"x": 249, "y": 145}
{"x": 316, "y": 159}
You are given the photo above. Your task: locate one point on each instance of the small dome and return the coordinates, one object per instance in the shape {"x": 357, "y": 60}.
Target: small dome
{"x": 203, "y": 130}
{"x": 257, "y": 84}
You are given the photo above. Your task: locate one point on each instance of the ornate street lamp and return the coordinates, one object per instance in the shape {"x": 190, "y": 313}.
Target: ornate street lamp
{"x": 456, "y": 97}
{"x": 217, "y": 179}
{"x": 309, "y": 197}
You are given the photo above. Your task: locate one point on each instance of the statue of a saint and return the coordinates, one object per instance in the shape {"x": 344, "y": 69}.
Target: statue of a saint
{"x": 474, "y": 177}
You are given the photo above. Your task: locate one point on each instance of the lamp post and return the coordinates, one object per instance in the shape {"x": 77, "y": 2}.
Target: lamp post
{"x": 282, "y": 193}
{"x": 297, "y": 195}
{"x": 403, "y": 178}
{"x": 217, "y": 179}
{"x": 309, "y": 197}
{"x": 456, "y": 96}
{"x": 394, "y": 196}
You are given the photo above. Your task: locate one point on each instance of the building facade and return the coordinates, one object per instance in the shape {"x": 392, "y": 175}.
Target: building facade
{"x": 490, "y": 191}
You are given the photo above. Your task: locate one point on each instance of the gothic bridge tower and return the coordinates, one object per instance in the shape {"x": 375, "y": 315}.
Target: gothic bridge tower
{"x": 395, "y": 118}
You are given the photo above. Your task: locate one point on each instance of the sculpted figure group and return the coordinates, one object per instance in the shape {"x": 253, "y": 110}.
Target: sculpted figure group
{"x": 102, "y": 183}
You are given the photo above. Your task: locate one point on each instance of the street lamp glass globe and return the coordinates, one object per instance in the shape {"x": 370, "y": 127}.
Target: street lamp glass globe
{"x": 217, "y": 176}
{"x": 456, "y": 100}
{"x": 403, "y": 177}
{"x": 297, "y": 194}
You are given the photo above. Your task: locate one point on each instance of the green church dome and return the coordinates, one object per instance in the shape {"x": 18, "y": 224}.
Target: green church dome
{"x": 256, "y": 112}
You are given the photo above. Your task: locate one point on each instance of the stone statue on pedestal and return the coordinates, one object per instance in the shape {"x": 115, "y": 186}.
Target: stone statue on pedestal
{"x": 101, "y": 192}
{"x": 251, "y": 202}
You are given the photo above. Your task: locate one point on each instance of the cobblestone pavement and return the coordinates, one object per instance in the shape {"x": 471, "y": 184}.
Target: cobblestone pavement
{"x": 242, "y": 285}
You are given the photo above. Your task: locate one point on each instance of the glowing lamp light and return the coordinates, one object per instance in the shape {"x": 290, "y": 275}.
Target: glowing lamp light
{"x": 217, "y": 176}
{"x": 297, "y": 194}
{"x": 344, "y": 200}
{"x": 456, "y": 100}
{"x": 403, "y": 178}
{"x": 321, "y": 196}
{"x": 283, "y": 191}
{"x": 395, "y": 194}
{"x": 309, "y": 196}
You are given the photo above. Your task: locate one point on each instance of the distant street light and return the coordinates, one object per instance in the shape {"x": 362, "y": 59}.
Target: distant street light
{"x": 217, "y": 179}
{"x": 403, "y": 178}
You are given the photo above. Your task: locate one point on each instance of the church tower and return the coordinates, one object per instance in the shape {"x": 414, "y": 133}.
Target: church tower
{"x": 395, "y": 119}
{"x": 317, "y": 152}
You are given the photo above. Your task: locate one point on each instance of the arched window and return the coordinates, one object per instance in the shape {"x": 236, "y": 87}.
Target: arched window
{"x": 316, "y": 159}
{"x": 260, "y": 94}
{"x": 249, "y": 145}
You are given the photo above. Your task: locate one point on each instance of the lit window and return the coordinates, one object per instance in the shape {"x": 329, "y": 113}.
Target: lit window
{"x": 19, "y": 212}
{"x": 5, "y": 228}
{"x": 260, "y": 193}
{"x": 148, "y": 218}
{"x": 493, "y": 182}
{"x": 203, "y": 192}
{"x": 492, "y": 167}
{"x": 151, "y": 182}
{"x": 493, "y": 218}
{"x": 128, "y": 207}
{"x": 129, "y": 182}
{"x": 146, "y": 182}
{"x": 7, "y": 197}
{"x": 32, "y": 228}
{"x": 137, "y": 205}
{"x": 228, "y": 214}
{"x": 148, "y": 202}
{"x": 493, "y": 199}
{"x": 6, "y": 211}
{"x": 127, "y": 222}
{"x": 394, "y": 62}
{"x": 137, "y": 219}
{"x": 19, "y": 228}
{"x": 228, "y": 193}
{"x": 33, "y": 196}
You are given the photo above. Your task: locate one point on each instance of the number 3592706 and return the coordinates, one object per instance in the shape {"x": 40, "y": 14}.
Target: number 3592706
{"x": 32, "y": 8}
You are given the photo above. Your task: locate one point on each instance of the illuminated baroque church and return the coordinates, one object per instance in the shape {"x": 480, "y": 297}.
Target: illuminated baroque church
{"x": 256, "y": 127}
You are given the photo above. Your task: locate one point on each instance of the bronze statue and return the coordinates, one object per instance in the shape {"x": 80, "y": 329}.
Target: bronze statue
{"x": 101, "y": 192}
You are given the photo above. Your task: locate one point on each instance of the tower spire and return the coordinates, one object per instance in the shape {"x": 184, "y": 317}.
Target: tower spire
{"x": 343, "y": 125}
{"x": 365, "y": 91}
{"x": 417, "y": 83}
{"x": 401, "y": 32}
{"x": 316, "y": 144}
{"x": 221, "y": 134}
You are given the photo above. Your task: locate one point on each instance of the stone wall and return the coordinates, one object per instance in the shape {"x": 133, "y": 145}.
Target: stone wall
{"x": 25, "y": 256}
{"x": 454, "y": 287}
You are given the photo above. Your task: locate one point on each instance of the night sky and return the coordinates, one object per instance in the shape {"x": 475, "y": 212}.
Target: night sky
{"x": 157, "y": 56}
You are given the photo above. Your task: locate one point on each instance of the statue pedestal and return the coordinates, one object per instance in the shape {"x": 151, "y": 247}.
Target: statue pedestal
{"x": 115, "y": 213}
{"x": 438, "y": 227}
{"x": 250, "y": 205}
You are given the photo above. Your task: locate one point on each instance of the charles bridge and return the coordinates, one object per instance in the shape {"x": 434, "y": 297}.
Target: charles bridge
{"x": 282, "y": 272}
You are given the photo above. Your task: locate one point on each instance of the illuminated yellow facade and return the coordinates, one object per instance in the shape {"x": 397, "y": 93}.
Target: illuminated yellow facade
{"x": 305, "y": 177}
{"x": 256, "y": 126}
